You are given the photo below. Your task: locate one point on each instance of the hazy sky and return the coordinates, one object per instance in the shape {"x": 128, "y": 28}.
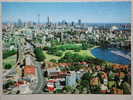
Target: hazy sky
{"x": 90, "y": 12}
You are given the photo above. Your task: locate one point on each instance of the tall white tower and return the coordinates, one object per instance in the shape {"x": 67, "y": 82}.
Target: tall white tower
{"x": 38, "y": 18}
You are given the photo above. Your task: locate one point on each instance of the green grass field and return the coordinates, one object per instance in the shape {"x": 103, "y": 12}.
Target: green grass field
{"x": 49, "y": 57}
{"x": 10, "y": 60}
{"x": 86, "y": 53}
{"x": 81, "y": 52}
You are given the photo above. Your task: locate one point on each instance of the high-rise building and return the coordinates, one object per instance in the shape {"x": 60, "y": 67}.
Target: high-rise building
{"x": 48, "y": 20}
{"x": 72, "y": 23}
{"x": 79, "y": 22}
{"x": 11, "y": 25}
{"x": 71, "y": 79}
{"x": 10, "y": 20}
{"x": 19, "y": 23}
{"x": 90, "y": 29}
{"x": 64, "y": 22}
{"x": 38, "y": 18}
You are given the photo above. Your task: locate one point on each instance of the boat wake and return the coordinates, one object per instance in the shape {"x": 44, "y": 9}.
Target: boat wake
{"x": 127, "y": 56}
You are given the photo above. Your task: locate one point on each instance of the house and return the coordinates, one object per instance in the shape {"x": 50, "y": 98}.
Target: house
{"x": 51, "y": 70}
{"x": 84, "y": 64}
{"x": 117, "y": 91}
{"x": 29, "y": 70}
{"x": 57, "y": 74}
{"x": 55, "y": 84}
{"x": 30, "y": 74}
{"x": 51, "y": 85}
{"x": 117, "y": 66}
{"x": 122, "y": 74}
{"x": 23, "y": 87}
{"x": 103, "y": 88}
{"x": 95, "y": 81}
{"x": 98, "y": 67}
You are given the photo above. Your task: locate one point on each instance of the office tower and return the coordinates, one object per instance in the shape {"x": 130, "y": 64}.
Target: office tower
{"x": 72, "y": 23}
{"x": 79, "y": 22}
{"x": 38, "y": 18}
{"x": 63, "y": 22}
{"x": 48, "y": 20}
{"x": 11, "y": 24}
{"x": 19, "y": 23}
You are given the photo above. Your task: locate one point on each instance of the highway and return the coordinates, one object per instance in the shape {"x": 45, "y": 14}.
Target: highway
{"x": 41, "y": 80}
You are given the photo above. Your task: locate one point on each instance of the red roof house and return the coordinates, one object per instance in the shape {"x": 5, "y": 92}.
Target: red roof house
{"x": 29, "y": 69}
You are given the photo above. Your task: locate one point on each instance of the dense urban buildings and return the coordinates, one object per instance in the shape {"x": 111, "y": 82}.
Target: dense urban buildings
{"x": 66, "y": 57}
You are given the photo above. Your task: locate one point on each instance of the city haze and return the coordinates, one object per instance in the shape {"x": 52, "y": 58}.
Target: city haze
{"x": 88, "y": 12}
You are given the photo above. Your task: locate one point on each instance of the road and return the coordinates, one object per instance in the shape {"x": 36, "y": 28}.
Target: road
{"x": 9, "y": 72}
{"x": 41, "y": 81}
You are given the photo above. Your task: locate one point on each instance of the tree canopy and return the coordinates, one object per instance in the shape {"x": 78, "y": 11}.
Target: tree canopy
{"x": 39, "y": 54}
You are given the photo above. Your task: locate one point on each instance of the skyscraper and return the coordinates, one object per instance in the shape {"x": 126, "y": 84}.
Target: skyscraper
{"x": 72, "y": 23}
{"x": 19, "y": 22}
{"x": 48, "y": 20}
{"x": 11, "y": 20}
{"x": 38, "y": 18}
{"x": 79, "y": 22}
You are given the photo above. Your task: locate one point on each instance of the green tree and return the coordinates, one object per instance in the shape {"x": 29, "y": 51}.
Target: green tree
{"x": 85, "y": 80}
{"x": 8, "y": 53}
{"x": 84, "y": 46}
{"x": 53, "y": 60}
{"x": 8, "y": 84}
{"x": 52, "y": 50}
{"x": 58, "y": 53}
{"x": 7, "y": 66}
{"x": 77, "y": 49}
{"x": 126, "y": 87}
{"x": 68, "y": 89}
{"x": 86, "y": 76}
{"x": 85, "y": 83}
{"x": 39, "y": 54}
{"x": 75, "y": 68}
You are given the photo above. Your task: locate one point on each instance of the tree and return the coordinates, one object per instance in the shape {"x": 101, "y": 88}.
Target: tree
{"x": 76, "y": 91}
{"x": 68, "y": 89}
{"x": 77, "y": 49}
{"x": 39, "y": 54}
{"x": 84, "y": 83}
{"x": 84, "y": 91}
{"x": 85, "y": 80}
{"x": 126, "y": 87}
{"x": 59, "y": 53}
{"x": 8, "y": 66}
{"x": 8, "y": 84}
{"x": 53, "y": 60}
{"x": 84, "y": 46}
{"x": 86, "y": 76}
{"x": 75, "y": 68}
{"x": 8, "y": 53}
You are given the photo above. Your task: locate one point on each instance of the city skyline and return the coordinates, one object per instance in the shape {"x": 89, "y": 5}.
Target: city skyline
{"x": 88, "y": 12}
{"x": 71, "y": 48}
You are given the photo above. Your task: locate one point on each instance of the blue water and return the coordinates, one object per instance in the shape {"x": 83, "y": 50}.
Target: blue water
{"x": 107, "y": 55}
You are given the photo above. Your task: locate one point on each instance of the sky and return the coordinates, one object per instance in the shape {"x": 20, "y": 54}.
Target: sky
{"x": 88, "y": 12}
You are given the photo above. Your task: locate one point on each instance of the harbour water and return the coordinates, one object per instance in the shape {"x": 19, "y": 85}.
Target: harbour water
{"x": 113, "y": 55}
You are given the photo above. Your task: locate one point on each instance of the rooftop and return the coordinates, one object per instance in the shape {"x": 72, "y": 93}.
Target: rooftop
{"x": 29, "y": 69}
